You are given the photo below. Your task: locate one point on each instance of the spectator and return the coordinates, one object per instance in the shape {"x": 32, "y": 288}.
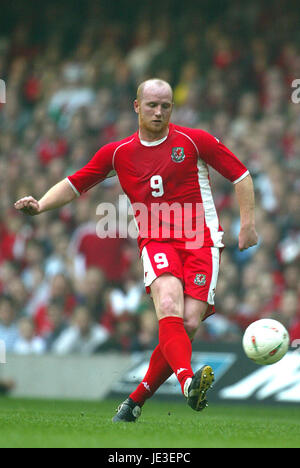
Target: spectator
{"x": 288, "y": 312}
{"x": 28, "y": 342}
{"x": 84, "y": 336}
{"x": 17, "y": 291}
{"x": 59, "y": 290}
{"x": 147, "y": 331}
{"x": 50, "y": 145}
{"x": 57, "y": 322}
{"x": 67, "y": 98}
{"x": 123, "y": 336}
{"x": 92, "y": 293}
{"x": 8, "y": 328}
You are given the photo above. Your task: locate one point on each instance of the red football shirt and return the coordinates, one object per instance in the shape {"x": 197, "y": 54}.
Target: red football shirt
{"x": 169, "y": 173}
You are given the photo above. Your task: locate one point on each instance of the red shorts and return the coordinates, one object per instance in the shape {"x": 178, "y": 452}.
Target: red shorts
{"x": 197, "y": 269}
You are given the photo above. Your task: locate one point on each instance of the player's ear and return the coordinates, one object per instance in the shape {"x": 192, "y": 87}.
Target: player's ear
{"x": 136, "y": 106}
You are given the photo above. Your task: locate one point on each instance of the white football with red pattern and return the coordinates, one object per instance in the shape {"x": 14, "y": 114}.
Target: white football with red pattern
{"x": 266, "y": 341}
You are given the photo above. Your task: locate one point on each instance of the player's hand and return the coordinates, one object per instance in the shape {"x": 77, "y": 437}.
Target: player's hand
{"x": 248, "y": 237}
{"x": 28, "y": 205}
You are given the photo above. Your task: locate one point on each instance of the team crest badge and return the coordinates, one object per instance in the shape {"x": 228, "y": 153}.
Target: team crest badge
{"x": 177, "y": 154}
{"x": 200, "y": 279}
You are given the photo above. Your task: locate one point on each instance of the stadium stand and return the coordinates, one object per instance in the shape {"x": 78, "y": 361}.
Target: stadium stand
{"x": 71, "y": 77}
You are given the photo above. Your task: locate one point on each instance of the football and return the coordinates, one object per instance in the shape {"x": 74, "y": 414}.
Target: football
{"x": 266, "y": 341}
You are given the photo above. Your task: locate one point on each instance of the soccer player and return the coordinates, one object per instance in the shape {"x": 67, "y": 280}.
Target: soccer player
{"x": 164, "y": 166}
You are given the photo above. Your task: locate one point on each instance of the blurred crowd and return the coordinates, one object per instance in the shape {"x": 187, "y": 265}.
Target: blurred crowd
{"x": 71, "y": 76}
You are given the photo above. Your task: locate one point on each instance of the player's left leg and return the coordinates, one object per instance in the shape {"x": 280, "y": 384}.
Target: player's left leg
{"x": 195, "y": 312}
{"x": 201, "y": 268}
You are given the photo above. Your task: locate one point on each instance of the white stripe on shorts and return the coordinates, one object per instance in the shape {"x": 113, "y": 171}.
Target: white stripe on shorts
{"x": 149, "y": 273}
{"x": 215, "y": 253}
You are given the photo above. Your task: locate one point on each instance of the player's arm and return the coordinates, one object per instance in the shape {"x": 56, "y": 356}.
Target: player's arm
{"x": 217, "y": 155}
{"x": 58, "y": 196}
{"x": 245, "y": 196}
{"x": 96, "y": 170}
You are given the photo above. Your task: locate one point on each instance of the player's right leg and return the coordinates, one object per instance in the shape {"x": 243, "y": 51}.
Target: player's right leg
{"x": 159, "y": 259}
{"x": 128, "y": 411}
{"x": 174, "y": 351}
{"x": 158, "y": 372}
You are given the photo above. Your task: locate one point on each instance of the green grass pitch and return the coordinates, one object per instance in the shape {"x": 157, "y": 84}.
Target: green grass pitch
{"x": 47, "y": 423}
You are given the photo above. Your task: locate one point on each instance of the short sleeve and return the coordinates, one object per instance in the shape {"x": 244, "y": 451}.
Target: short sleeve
{"x": 95, "y": 171}
{"x": 218, "y": 156}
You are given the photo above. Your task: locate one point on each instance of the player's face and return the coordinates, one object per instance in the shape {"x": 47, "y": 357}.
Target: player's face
{"x": 154, "y": 109}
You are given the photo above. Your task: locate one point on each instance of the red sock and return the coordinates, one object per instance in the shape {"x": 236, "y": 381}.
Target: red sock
{"x": 176, "y": 347}
{"x": 158, "y": 372}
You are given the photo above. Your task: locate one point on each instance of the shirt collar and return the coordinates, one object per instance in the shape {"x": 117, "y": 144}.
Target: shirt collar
{"x": 153, "y": 143}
